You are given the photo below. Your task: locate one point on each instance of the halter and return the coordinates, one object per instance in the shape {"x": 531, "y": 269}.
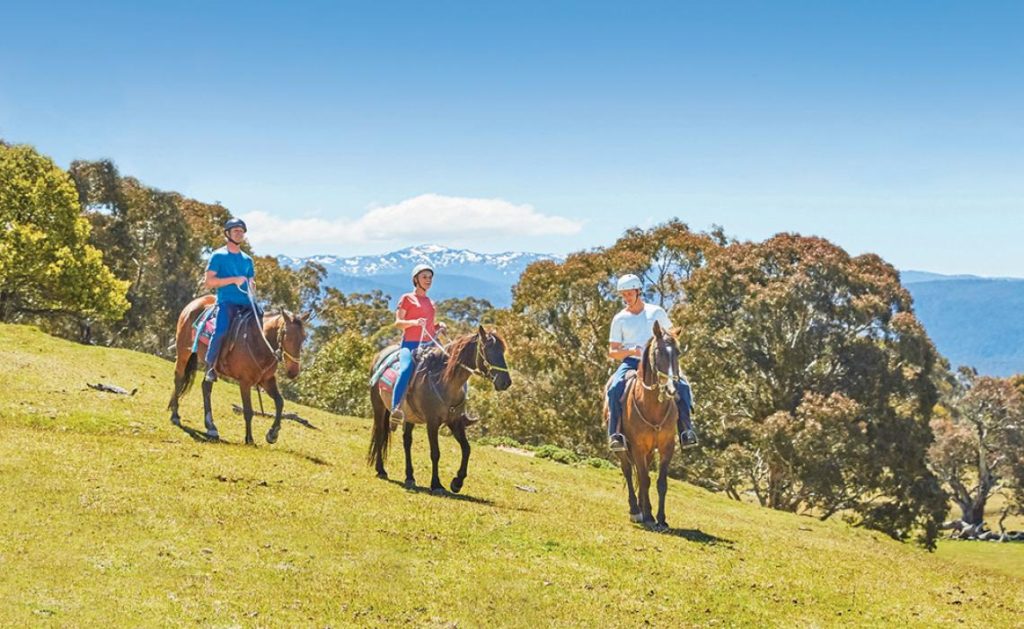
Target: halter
{"x": 665, "y": 382}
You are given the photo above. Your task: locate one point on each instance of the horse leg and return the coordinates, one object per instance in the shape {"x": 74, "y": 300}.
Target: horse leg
{"x": 380, "y": 419}
{"x": 459, "y": 432}
{"x": 433, "y": 428}
{"x": 410, "y": 482}
{"x": 666, "y": 456}
{"x": 211, "y": 428}
{"x": 270, "y": 386}
{"x": 644, "y": 479}
{"x": 247, "y": 412}
{"x": 627, "y": 471}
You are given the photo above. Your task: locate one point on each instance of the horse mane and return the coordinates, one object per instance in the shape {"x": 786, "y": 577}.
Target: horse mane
{"x": 460, "y": 347}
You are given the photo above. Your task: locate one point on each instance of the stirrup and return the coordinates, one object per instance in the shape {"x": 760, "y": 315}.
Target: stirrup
{"x": 211, "y": 375}
{"x": 397, "y": 417}
{"x": 617, "y": 442}
{"x": 688, "y": 438}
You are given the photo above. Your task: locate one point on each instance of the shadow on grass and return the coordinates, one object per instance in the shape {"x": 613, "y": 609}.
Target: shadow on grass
{"x": 447, "y": 494}
{"x": 302, "y": 455}
{"x": 698, "y": 536}
{"x": 200, "y": 436}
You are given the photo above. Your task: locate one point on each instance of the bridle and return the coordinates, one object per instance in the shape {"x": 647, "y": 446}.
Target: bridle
{"x": 282, "y": 354}
{"x": 665, "y": 383}
{"x": 489, "y": 370}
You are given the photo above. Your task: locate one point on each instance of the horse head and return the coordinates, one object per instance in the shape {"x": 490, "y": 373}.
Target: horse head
{"x": 490, "y": 359}
{"x": 286, "y": 336}
{"x": 661, "y": 359}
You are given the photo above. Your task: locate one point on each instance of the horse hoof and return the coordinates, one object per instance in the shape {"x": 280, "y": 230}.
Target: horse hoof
{"x": 272, "y": 437}
{"x": 409, "y": 484}
{"x": 176, "y": 420}
{"x": 660, "y": 527}
{"x": 213, "y": 435}
{"x": 636, "y": 517}
{"x": 438, "y": 491}
{"x": 382, "y": 475}
{"x": 456, "y": 485}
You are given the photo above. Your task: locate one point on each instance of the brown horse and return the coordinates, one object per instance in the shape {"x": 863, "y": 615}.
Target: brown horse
{"x": 251, "y": 360}
{"x": 649, "y": 416}
{"x": 436, "y": 397}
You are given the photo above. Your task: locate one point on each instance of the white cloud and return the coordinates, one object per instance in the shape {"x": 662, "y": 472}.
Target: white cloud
{"x": 425, "y": 218}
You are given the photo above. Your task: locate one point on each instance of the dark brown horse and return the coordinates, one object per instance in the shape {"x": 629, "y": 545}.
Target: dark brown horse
{"x": 251, "y": 360}
{"x": 436, "y": 397}
{"x": 649, "y": 416}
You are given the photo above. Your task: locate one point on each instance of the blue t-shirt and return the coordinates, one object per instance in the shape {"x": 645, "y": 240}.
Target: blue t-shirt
{"x": 226, "y": 264}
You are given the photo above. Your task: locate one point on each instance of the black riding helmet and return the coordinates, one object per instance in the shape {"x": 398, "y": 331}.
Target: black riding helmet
{"x": 233, "y": 223}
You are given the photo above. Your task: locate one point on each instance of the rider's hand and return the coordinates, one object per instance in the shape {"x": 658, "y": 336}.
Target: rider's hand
{"x": 422, "y": 322}
{"x": 441, "y": 328}
{"x": 238, "y": 281}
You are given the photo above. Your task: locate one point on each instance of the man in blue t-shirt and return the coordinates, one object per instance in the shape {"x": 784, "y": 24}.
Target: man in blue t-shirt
{"x": 232, "y": 273}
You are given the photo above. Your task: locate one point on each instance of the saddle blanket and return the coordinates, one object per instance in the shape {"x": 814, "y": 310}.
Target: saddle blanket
{"x": 203, "y": 328}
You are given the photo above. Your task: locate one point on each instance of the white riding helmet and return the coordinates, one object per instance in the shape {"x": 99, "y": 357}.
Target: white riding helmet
{"x": 628, "y": 282}
{"x": 419, "y": 268}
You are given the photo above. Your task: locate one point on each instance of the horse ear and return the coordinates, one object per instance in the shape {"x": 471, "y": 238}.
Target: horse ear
{"x": 304, "y": 317}
{"x": 657, "y": 329}
{"x": 482, "y": 332}
{"x": 287, "y": 315}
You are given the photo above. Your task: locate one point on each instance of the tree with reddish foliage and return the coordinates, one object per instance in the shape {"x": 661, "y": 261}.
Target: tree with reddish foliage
{"x": 814, "y": 385}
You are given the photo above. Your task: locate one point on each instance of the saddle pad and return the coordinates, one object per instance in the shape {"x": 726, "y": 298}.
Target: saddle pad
{"x": 387, "y": 380}
{"x": 389, "y": 360}
{"x": 202, "y": 330}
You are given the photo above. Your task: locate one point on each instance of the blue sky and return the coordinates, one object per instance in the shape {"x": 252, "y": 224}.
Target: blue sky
{"x": 354, "y": 128}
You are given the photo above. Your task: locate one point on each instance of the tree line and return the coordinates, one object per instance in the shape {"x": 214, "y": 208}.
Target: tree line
{"x": 817, "y": 389}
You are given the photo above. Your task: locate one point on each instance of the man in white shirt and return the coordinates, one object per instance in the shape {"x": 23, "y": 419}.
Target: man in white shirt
{"x": 631, "y": 328}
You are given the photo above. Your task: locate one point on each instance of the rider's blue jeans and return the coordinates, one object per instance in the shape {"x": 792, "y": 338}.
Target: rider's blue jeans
{"x": 405, "y": 369}
{"x": 684, "y": 398}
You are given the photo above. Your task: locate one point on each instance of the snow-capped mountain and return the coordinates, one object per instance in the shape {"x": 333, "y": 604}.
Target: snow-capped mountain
{"x": 459, "y": 272}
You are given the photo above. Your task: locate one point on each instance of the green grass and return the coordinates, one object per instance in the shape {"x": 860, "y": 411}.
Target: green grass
{"x": 111, "y": 515}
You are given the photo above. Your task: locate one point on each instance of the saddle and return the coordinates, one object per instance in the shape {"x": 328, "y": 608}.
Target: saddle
{"x": 205, "y": 325}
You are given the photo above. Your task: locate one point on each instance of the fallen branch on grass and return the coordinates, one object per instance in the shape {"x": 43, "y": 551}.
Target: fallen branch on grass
{"x": 110, "y": 388}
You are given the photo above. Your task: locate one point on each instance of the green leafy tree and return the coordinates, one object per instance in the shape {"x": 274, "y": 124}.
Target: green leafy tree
{"x": 814, "y": 383}
{"x": 297, "y": 290}
{"x": 366, "y": 314}
{"x": 337, "y": 379}
{"x": 48, "y": 270}
{"x": 155, "y": 240}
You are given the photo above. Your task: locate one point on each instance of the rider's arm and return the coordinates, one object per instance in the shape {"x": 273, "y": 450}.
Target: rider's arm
{"x": 212, "y": 281}
{"x": 402, "y": 323}
{"x": 617, "y": 351}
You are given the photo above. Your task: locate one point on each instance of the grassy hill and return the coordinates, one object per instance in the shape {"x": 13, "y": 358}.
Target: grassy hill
{"x": 110, "y": 514}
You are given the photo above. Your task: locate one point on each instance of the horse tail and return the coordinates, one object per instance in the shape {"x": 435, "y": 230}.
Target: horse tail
{"x": 184, "y": 383}
{"x": 381, "y": 438}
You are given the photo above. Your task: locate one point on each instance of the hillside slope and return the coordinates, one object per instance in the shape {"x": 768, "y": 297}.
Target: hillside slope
{"x": 110, "y": 513}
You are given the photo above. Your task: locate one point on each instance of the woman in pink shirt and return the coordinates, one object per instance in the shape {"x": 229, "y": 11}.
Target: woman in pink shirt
{"x": 414, "y": 315}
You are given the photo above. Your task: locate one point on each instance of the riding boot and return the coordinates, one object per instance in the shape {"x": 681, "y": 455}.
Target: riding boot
{"x": 616, "y": 440}
{"x": 687, "y": 435}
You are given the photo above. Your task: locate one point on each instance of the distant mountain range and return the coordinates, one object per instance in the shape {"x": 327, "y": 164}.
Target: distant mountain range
{"x": 973, "y": 320}
{"x": 459, "y": 272}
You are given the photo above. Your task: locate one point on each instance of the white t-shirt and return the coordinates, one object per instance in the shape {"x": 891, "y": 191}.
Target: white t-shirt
{"x": 634, "y": 330}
